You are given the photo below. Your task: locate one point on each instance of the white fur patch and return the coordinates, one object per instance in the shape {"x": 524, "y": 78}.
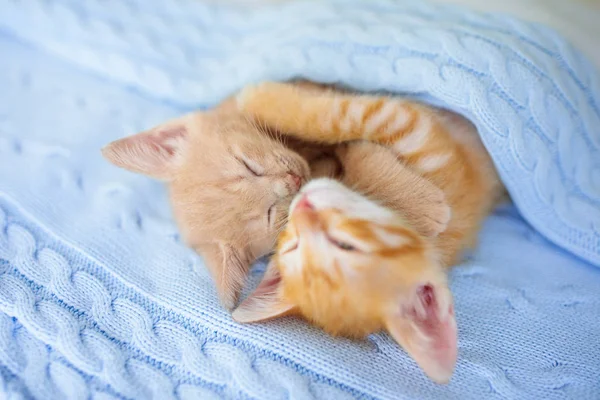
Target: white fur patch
{"x": 433, "y": 162}
{"x": 352, "y": 118}
{"x": 400, "y": 121}
{"x": 390, "y": 239}
{"x": 280, "y": 188}
{"x": 375, "y": 121}
{"x": 328, "y": 193}
{"x": 356, "y": 111}
{"x": 415, "y": 140}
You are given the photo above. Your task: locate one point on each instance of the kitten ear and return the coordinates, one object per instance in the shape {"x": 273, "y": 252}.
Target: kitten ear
{"x": 425, "y": 327}
{"x": 265, "y": 302}
{"x": 229, "y": 268}
{"x": 155, "y": 152}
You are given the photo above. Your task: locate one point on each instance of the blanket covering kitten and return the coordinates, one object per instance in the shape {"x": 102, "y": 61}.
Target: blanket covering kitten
{"x": 352, "y": 266}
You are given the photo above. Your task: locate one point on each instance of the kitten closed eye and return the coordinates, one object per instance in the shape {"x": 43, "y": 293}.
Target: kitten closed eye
{"x": 271, "y": 212}
{"x": 252, "y": 167}
{"x": 341, "y": 245}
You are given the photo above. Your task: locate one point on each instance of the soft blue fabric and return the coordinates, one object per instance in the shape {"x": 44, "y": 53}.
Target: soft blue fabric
{"x": 99, "y": 299}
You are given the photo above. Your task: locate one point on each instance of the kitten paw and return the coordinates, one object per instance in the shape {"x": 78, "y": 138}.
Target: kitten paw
{"x": 376, "y": 171}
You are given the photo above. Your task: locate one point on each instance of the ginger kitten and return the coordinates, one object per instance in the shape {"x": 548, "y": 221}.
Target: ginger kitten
{"x": 351, "y": 265}
{"x": 230, "y": 186}
{"x": 354, "y": 267}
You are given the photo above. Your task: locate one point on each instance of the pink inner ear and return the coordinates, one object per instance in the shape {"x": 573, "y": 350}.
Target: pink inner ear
{"x": 268, "y": 286}
{"x": 266, "y": 290}
{"x": 434, "y": 323}
{"x": 265, "y": 302}
{"x": 154, "y": 152}
{"x": 168, "y": 139}
{"x": 426, "y": 328}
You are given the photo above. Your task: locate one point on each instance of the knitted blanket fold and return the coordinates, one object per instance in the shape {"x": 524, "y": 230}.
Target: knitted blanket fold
{"x": 100, "y": 299}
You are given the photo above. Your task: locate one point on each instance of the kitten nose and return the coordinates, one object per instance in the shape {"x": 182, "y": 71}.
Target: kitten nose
{"x": 303, "y": 204}
{"x": 295, "y": 180}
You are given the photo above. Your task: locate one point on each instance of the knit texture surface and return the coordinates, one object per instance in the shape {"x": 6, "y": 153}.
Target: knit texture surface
{"x": 99, "y": 299}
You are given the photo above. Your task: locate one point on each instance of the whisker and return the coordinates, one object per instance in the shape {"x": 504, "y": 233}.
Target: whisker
{"x": 278, "y": 228}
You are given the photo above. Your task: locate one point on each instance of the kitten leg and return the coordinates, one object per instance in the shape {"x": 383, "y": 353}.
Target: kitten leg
{"x": 332, "y": 116}
{"x": 375, "y": 171}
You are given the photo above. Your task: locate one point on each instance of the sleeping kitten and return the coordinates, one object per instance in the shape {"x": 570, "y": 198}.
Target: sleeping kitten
{"x": 231, "y": 184}
{"x": 352, "y": 266}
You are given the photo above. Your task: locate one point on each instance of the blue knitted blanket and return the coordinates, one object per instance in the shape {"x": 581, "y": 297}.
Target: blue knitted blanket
{"x": 100, "y": 299}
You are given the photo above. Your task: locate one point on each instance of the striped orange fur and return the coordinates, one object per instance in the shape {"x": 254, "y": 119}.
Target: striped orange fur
{"x": 442, "y": 147}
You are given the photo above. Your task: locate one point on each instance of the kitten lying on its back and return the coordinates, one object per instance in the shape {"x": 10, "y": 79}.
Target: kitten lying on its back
{"x": 231, "y": 184}
{"x": 352, "y": 266}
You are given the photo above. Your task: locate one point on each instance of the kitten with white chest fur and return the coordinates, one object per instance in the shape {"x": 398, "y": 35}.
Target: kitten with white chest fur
{"x": 347, "y": 263}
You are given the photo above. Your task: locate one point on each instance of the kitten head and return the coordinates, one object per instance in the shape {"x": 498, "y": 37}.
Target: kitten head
{"x": 354, "y": 267}
{"x": 230, "y": 185}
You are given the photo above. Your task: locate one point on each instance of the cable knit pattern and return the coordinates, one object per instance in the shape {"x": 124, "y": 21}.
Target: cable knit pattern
{"x": 98, "y": 297}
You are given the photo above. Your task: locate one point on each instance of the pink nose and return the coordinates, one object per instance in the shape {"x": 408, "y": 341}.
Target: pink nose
{"x": 303, "y": 204}
{"x": 296, "y": 181}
